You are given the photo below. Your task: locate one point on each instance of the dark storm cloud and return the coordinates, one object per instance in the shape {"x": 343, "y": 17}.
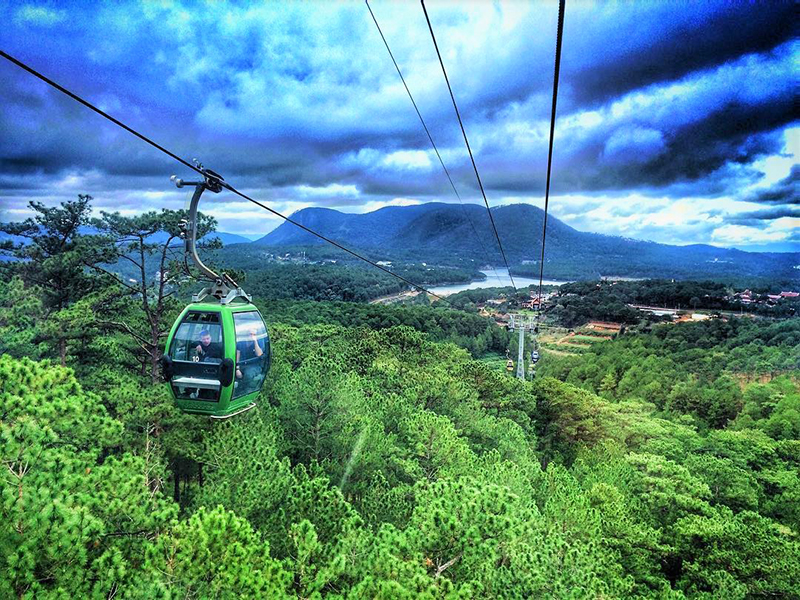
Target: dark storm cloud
{"x": 735, "y": 133}
{"x": 297, "y": 150}
{"x": 652, "y": 42}
{"x": 695, "y": 136}
{"x": 760, "y": 218}
{"x": 786, "y": 191}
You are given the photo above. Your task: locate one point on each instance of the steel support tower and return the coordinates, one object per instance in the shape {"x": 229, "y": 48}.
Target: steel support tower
{"x": 521, "y": 350}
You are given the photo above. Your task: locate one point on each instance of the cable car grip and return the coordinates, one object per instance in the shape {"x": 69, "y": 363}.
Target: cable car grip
{"x": 224, "y": 288}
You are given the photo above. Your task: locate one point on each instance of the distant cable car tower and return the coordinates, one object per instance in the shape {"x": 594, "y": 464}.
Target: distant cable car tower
{"x": 523, "y": 324}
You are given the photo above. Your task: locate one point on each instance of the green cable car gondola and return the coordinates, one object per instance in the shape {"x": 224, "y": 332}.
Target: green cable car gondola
{"x": 218, "y": 352}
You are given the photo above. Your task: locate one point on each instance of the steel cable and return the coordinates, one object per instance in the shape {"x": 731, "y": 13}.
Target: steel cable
{"x": 430, "y": 137}
{"x": 559, "y": 35}
{"x": 186, "y": 163}
{"x": 469, "y": 149}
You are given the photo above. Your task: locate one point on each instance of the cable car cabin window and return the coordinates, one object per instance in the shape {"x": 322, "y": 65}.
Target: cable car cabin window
{"x": 252, "y": 353}
{"x": 198, "y": 340}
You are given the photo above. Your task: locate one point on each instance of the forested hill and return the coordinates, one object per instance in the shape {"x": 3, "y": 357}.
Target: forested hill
{"x": 390, "y": 454}
{"x": 382, "y": 465}
{"x": 437, "y": 231}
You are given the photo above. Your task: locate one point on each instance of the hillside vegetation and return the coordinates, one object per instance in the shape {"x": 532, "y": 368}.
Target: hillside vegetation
{"x": 380, "y": 464}
{"x": 383, "y": 460}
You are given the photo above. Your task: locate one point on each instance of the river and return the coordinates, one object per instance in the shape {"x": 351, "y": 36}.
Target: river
{"x": 501, "y": 279}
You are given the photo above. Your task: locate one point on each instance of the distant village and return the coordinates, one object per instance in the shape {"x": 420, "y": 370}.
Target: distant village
{"x": 497, "y": 309}
{"x": 748, "y": 297}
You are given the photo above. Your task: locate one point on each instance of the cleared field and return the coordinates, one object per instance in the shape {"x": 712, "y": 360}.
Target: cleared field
{"x": 564, "y": 349}
{"x": 496, "y": 361}
{"x": 560, "y": 352}
{"x": 591, "y": 339}
{"x": 575, "y": 345}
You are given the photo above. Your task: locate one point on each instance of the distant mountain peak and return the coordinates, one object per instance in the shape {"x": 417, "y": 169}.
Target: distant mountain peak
{"x": 447, "y": 232}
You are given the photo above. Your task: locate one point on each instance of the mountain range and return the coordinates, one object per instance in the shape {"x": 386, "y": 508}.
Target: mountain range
{"x": 462, "y": 235}
{"x": 438, "y": 231}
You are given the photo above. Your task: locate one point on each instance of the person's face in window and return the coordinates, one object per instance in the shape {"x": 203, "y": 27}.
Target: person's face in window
{"x": 205, "y": 339}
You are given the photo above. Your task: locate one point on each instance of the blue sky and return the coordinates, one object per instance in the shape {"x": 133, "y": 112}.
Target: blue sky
{"x": 676, "y": 121}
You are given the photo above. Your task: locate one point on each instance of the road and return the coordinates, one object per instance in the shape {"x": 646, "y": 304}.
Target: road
{"x": 395, "y": 297}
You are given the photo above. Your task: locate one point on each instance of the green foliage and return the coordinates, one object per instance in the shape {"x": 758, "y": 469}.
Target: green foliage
{"x": 573, "y": 309}
{"x": 582, "y": 301}
{"x": 744, "y": 554}
{"x": 74, "y": 520}
{"x": 20, "y": 320}
{"x": 383, "y": 463}
{"x": 339, "y": 282}
{"x": 470, "y": 331}
{"x": 696, "y": 368}
{"x": 53, "y": 255}
{"x": 773, "y": 407}
{"x": 51, "y": 259}
{"x": 214, "y": 554}
{"x": 147, "y": 276}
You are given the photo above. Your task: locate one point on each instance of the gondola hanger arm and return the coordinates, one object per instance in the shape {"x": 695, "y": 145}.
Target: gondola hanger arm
{"x": 224, "y": 288}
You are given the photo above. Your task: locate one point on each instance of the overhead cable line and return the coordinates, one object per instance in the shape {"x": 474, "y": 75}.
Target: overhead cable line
{"x": 561, "y": 6}
{"x": 224, "y": 184}
{"x": 430, "y": 137}
{"x": 90, "y": 106}
{"x": 466, "y": 141}
{"x": 330, "y": 241}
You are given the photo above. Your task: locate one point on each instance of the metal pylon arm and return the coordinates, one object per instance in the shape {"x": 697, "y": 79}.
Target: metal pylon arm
{"x": 224, "y": 288}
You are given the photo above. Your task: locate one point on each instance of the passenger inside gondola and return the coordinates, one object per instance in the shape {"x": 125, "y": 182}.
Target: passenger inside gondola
{"x": 252, "y": 352}
{"x": 207, "y": 350}
{"x": 198, "y": 339}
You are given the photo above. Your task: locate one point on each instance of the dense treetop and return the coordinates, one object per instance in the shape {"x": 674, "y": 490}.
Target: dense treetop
{"x": 381, "y": 464}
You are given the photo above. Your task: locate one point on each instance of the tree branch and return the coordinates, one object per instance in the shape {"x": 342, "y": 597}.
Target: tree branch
{"x": 128, "y": 258}
{"x": 448, "y": 564}
{"x": 162, "y": 274}
{"x": 146, "y": 346}
{"x": 110, "y": 274}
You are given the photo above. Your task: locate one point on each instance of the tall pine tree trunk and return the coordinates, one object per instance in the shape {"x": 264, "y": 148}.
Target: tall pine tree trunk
{"x": 154, "y": 356}
{"x": 176, "y": 486}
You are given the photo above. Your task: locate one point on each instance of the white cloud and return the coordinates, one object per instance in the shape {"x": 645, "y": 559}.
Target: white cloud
{"x": 634, "y": 144}
{"x": 39, "y": 15}
{"x": 376, "y": 204}
{"x": 334, "y": 190}
{"x": 778, "y": 166}
{"x": 740, "y": 234}
{"x": 407, "y": 160}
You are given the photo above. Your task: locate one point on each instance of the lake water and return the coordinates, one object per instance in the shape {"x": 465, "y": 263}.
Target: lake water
{"x": 501, "y": 279}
